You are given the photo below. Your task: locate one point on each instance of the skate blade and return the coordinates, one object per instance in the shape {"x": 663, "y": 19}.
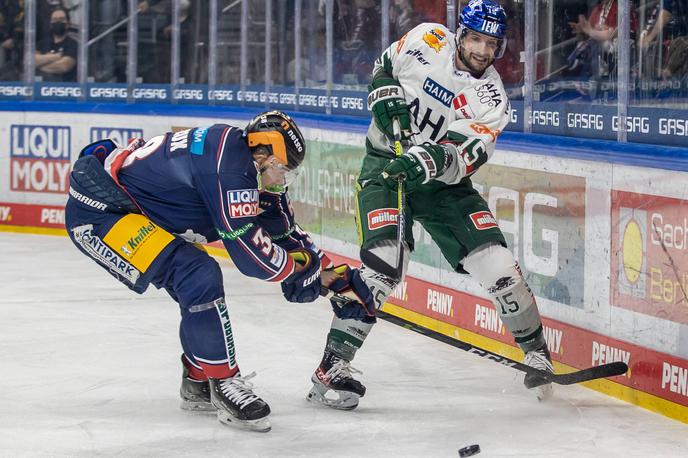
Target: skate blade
{"x": 261, "y": 425}
{"x": 344, "y": 400}
{"x": 196, "y": 406}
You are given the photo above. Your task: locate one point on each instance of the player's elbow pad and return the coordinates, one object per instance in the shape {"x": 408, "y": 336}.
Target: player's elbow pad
{"x": 465, "y": 159}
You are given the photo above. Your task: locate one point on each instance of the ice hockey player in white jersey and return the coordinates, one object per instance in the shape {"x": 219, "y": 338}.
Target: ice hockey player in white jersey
{"x": 451, "y": 106}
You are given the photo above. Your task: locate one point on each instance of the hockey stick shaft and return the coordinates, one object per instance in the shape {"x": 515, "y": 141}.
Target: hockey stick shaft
{"x": 401, "y": 223}
{"x": 583, "y": 375}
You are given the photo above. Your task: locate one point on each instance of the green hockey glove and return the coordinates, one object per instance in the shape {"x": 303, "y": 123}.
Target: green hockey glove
{"x": 386, "y": 102}
{"x": 417, "y": 166}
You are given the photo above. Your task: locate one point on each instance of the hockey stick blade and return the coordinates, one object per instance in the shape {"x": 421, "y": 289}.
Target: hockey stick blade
{"x": 583, "y": 375}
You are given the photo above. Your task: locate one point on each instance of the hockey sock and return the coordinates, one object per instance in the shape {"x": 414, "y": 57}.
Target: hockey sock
{"x": 346, "y": 337}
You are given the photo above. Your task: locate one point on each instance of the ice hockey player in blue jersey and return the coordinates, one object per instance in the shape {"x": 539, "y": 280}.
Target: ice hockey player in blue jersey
{"x": 141, "y": 211}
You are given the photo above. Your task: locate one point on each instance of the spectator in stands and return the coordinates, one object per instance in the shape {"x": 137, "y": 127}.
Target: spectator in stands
{"x": 597, "y": 39}
{"x": 11, "y": 39}
{"x": 43, "y": 10}
{"x": 402, "y": 18}
{"x": 56, "y": 56}
{"x": 668, "y": 20}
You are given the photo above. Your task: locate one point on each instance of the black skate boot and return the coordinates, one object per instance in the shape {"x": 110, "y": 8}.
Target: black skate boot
{"x": 237, "y": 405}
{"x": 334, "y": 374}
{"x": 195, "y": 394}
{"x": 539, "y": 359}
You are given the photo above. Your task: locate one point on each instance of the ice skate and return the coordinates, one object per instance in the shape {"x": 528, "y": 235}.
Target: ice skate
{"x": 237, "y": 405}
{"x": 539, "y": 359}
{"x": 333, "y": 384}
{"x": 195, "y": 395}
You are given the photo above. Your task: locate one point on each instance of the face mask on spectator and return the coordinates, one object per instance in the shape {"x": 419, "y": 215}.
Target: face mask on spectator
{"x": 58, "y": 28}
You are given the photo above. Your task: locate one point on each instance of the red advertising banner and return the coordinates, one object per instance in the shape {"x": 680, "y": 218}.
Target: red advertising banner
{"x": 48, "y": 216}
{"x": 650, "y": 255}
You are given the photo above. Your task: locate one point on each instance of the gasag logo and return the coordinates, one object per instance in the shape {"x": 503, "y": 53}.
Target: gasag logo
{"x": 120, "y": 135}
{"x": 242, "y": 203}
{"x": 437, "y": 92}
{"x": 435, "y": 39}
{"x": 39, "y": 158}
{"x": 483, "y": 220}
{"x": 382, "y": 217}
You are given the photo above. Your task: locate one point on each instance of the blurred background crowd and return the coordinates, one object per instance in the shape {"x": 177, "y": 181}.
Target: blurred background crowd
{"x": 576, "y": 43}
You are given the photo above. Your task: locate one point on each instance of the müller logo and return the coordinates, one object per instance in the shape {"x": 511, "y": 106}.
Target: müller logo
{"x": 382, "y": 217}
{"x": 483, "y": 220}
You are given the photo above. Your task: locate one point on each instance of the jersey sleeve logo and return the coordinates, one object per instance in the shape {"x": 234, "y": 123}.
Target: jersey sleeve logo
{"x": 462, "y": 107}
{"x": 482, "y": 129}
{"x": 435, "y": 39}
{"x": 483, "y": 220}
{"x": 243, "y": 203}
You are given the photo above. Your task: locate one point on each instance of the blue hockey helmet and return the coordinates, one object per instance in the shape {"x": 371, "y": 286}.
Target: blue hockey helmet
{"x": 486, "y": 17}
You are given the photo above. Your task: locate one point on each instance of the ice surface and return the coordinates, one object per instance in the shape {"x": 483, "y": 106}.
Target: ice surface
{"x": 92, "y": 369}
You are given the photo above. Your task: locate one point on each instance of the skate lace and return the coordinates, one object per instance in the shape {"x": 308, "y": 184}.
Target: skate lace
{"x": 341, "y": 369}
{"x": 538, "y": 360}
{"x": 239, "y": 390}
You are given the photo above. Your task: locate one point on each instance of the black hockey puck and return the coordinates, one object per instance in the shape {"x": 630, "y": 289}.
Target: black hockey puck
{"x": 469, "y": 450}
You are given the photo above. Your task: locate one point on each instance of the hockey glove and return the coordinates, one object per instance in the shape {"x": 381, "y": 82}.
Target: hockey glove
{"x": 417, "y": 166}
{"x": 304, "y": 285}
{"x": 348, "y": 282}
{"x": 386, "y": 101}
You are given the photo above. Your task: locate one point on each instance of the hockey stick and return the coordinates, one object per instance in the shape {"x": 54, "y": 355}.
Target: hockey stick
{"x": 401, "y": 222}
{"x": 583, "y": 375}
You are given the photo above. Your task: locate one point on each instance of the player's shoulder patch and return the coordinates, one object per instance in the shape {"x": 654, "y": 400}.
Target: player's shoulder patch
{"x": 426, "y": 37}
{"x": 436, "y": 38}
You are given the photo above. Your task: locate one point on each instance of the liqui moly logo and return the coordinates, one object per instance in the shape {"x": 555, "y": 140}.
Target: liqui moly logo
{"x": 40, "y": 158}
{"x": 120, "y": 135}
{"x": 382, "y": 217}
{"x": 483, "y": 220}
{"x": 242, "y": 203}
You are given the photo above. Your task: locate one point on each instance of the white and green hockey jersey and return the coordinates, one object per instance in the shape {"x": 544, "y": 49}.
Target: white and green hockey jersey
{"x": 442, "y": 98}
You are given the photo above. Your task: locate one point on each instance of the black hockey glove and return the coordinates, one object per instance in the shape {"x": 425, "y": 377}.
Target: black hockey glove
{"x": 349, "y": 281}
{"x": 303, "y": 286}
{"x": 386, "y": 101}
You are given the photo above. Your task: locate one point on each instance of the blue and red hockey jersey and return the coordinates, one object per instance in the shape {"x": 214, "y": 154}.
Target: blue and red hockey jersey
{"x": 203, "y": 185}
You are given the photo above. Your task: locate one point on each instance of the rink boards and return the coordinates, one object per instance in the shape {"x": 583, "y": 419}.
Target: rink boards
{"x": 602, "y": 245}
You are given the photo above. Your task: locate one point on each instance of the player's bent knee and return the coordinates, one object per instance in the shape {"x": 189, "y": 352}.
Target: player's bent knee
{"x": 194, "y": 276}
